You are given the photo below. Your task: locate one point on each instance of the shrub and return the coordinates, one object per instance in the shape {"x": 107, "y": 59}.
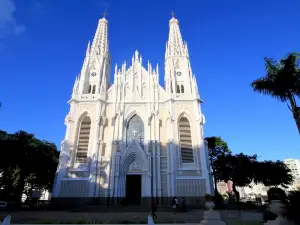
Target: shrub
{"x": 293, "y": 207}
{"x": 219, "y": 201}
{"x": 208, "y": 198}
{"x": 276, "y": 194}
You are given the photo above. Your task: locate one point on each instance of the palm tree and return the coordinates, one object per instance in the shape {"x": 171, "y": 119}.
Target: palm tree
{"x": 282, "y": 81}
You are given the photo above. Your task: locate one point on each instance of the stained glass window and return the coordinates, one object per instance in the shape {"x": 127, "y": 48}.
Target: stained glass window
{"x": 135, "y": 129}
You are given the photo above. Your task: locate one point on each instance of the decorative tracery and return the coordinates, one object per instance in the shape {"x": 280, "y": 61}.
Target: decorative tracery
{"x": 135, "y": 130}
{"x": 83, "y": 140}
{"x": 185, "y": 139}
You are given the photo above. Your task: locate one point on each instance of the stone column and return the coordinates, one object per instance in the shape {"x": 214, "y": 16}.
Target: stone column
{"x": 62, "y": 167}
{"x": 168, "y": 170}
{"x": 153, "y": 168}
{"x": 158, "y": 170}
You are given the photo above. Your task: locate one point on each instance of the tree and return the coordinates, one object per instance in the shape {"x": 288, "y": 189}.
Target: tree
{"x": 216, "y": 147}
{"x": 26, "y": 161}
{"x": 237, "y": 168}
{"x": 282, "y": 82}
{"x": 272, "y": 173}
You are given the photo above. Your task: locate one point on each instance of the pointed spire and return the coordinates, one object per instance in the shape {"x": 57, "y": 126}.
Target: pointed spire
{"x": 88, "y": 49}
{"x": 186, "y": 50}
{"x": 157, "y": 73}
{"x": 75, "y": 85}
{"x": 100, "y": 42}
{"x": 136, "y": 53}
{"x": 124, "y": 67}
{"x": 116, "y": 68}
{"x": 175, "y": 46}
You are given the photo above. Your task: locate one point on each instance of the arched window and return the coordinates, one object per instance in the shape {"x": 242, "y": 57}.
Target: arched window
{"x": 90, "y": 89}
{"x": 94, "y": 89}
{"x": 135, "y": 129}
{"x": 178, "y": 89}
{"x": 185, "y": 140}
{"x": 182, "y": 89}
{"x": 83, "y": 140}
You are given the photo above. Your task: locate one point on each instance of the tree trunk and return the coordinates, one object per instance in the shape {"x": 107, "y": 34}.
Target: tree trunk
{"x": 237, "y": 194}
{"x": 215, "y": 181}
{"x": 296, "y": 112}
{"x": 20, "y": 189}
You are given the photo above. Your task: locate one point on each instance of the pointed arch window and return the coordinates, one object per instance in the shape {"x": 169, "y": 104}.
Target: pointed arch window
{"x": 90, "y": 89}
{"x": 135, "y": 130}
{"x": 177, "y": 89}
{"x": 83, "y": 140}
{"x": 185, "y": 140}
{"x": 182, "y": 89}
{"x": 94, "y": 89}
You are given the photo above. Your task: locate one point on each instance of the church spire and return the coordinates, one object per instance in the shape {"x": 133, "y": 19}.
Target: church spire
{"x": 179, "y": 82}
{"x": 100, "y": 42}
{"x": 175, "y": 46}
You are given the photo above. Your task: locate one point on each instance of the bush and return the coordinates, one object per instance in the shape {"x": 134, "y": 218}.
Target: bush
{"x": 276, "y": 194}
{"x": 208, "y": 198}
{"x": 293, "y": 207}
{"x": 219, "y": 201}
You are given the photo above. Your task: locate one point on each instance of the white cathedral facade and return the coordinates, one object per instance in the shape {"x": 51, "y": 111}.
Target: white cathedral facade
{"x": 134, "y": 139}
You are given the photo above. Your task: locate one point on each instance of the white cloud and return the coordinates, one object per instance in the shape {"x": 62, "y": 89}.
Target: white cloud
{"x": 8, "y": 23}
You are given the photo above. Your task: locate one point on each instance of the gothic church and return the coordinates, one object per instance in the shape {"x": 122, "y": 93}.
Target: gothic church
{"x": 134, "y": 139}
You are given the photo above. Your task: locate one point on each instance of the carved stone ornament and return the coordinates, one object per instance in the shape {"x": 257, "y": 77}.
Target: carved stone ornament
{"x": 134, "y": 166}
{"x": 85, "y": 106}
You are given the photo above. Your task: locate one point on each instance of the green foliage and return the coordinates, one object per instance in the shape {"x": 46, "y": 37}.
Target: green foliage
{"x": 216, "y": 147}
{"x": 282, "y": 81}
{"x": 208, "y": 197}
{"x": 282, "y": 78}
{"x": 272, "y": 173}
{"x": 25, "y": 160}
{"x": 237, "y": 168}
{"x": 293, "y": 206}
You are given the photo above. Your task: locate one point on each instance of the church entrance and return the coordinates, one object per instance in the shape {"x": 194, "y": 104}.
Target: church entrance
{"x": 133, "y": 189}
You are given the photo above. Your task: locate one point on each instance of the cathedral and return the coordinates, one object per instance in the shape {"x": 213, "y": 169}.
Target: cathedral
{"x": 134, "y": 139}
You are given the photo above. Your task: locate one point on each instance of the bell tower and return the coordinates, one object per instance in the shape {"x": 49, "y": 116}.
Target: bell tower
{"x": 180, "y": 83}
{"x": 94, "y": 77}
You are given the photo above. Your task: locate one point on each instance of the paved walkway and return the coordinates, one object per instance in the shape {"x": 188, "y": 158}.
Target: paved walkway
{"x": 27, "y": 217}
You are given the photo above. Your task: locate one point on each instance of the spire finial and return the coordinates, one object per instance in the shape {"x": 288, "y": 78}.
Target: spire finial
{"x": 173, "y": 14}
{"x": 105, "y": 14}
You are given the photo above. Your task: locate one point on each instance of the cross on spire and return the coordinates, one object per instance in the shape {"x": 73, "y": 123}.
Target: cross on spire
{"x": 172, "y": 14}
{"x": 105, "y": 14}
{"x": 141, "y": 138}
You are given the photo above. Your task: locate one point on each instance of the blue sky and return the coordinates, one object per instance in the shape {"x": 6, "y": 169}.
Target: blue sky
{"x": 42, "y": 46}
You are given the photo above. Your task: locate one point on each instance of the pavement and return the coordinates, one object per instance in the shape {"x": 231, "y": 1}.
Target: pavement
{"x": 195, "y": 216}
